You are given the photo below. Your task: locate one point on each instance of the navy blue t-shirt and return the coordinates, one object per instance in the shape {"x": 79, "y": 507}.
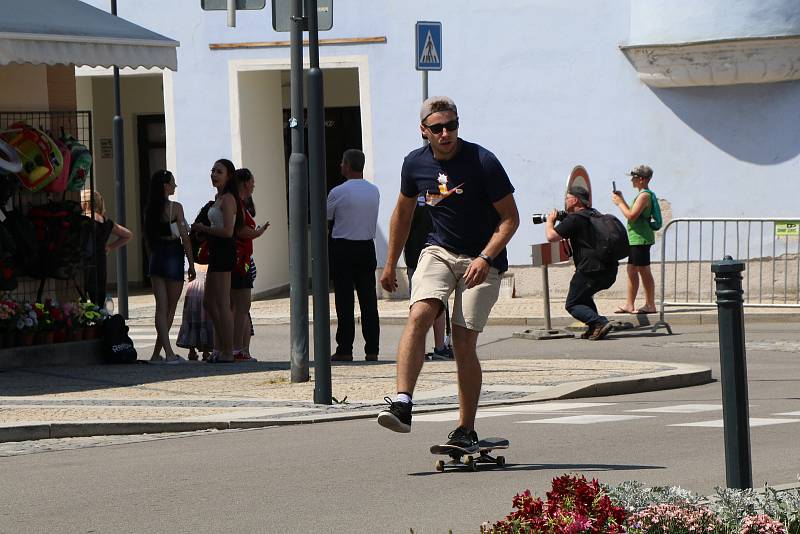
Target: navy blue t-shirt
{"x": 462, "y": 223}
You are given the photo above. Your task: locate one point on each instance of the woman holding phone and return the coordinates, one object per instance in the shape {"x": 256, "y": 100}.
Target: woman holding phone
{"x": 241, "y": 278}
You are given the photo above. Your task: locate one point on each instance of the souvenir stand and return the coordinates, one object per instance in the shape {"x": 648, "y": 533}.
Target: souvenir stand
{"x": 46, "y": 244}
{"x": 47, "y": 255}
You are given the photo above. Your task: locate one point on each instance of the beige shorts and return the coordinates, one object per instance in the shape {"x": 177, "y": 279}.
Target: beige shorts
{"x": 440, "y": 272}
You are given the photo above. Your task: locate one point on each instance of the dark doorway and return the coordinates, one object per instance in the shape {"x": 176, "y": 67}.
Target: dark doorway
{"x": 152, "y": 141}
{"x": 342, "y": 131}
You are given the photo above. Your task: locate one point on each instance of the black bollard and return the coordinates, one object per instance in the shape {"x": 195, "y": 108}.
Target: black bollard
{"x": 735, "y": 409}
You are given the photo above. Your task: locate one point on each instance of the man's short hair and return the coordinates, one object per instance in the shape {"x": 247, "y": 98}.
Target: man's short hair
{"x": 642, "y": 171}
{"x": 354, "y": 159}
{"x": 581, "y": 194}
{"x": 436, "y": 104}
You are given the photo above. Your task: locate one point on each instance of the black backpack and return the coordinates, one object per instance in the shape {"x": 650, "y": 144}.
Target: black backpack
{"x": 117, "y": 345}
{"x": 610, "y": 240}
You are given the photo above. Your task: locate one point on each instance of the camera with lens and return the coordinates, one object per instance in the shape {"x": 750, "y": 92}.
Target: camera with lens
{"x": 539, "y": 218}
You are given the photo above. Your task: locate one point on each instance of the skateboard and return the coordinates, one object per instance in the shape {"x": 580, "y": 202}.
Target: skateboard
{"x": 461, "y": 458}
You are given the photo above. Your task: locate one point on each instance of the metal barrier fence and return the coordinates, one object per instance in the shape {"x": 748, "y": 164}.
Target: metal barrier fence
{"x": 689, "y": 245}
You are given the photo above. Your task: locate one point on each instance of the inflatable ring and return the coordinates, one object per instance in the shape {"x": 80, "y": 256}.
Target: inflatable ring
{"x": 9, "y": 159}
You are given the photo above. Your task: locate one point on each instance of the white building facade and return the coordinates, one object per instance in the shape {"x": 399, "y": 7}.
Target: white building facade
{"x": 706, "y": 93}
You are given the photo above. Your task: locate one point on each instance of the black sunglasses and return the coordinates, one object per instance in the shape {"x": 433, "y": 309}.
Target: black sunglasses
{"x": 437, "y": 128}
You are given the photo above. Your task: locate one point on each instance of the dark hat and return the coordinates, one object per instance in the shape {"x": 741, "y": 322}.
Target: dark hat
{"x": 642, "y": 171}
{"x": 436, "y": 104}
{"x": 581, "y": 194}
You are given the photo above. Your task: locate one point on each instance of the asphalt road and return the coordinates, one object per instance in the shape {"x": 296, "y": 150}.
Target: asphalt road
{"x": 356, "y": 477}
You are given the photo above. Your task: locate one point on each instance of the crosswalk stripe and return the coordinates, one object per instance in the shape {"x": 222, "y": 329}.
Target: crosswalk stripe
{"x": 451, "y": 416}
{"x": 754, "y": 421}
{"x": 547, "y": 407}
{"x": 586, "y": 419}
{"x": 681, "y": 408}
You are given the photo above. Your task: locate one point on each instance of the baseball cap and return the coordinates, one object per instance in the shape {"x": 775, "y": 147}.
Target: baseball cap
{"x": 581, "y": 194}
{"x": 436, "y": 104}
{"x": 642, "y": 170}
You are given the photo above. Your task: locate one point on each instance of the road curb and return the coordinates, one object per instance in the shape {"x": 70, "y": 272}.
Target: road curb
{"x": 678, "y": 375}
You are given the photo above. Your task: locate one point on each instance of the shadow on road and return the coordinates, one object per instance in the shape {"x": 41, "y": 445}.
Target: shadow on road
{"x": 548, "y": 467}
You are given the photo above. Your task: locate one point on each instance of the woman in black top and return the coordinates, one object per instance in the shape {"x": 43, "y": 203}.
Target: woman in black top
{"x": 166, "y": 240}
{"x": 96, "y": 275}
{"x": 225, "y": 216}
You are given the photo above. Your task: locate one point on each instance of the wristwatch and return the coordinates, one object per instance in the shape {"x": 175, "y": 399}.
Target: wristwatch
{"x": 485, "y": 257}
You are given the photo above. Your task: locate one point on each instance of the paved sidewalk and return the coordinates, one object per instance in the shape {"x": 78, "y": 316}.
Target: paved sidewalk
{"x": 57, "y": 402}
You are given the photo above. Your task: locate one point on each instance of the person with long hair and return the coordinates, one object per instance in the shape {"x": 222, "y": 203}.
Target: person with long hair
{"x": 241, "y": 280}
{"x": 97, "y": 274}
{"x": 166, "y": 240}
{"x": 226, "y": 218}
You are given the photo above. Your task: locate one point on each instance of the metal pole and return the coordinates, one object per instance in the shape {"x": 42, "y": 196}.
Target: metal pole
{"x": 298, "y": 209}
{"x": 733, "y": 370}
{"x": 232, "y": 13}
{"x": 424, "y": 98}
{"x": 119, "y": 190}
{"x": 546, "y": 295}
{"x": 319, "y": 218}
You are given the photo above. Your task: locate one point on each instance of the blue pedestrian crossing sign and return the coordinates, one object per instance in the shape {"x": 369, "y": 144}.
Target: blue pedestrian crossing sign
{"x": 428, "y": 46}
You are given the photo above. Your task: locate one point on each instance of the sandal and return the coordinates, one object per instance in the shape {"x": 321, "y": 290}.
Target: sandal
{"x": 620, "y": 309}
{"x": 642, "y": 310}
{"x": 175, "y": 361}
{"x": 156, "y": 358}
{"x": 243, "y": 357}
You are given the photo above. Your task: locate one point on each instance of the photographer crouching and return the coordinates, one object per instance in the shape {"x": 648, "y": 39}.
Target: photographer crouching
{"x": 595, "y": 269}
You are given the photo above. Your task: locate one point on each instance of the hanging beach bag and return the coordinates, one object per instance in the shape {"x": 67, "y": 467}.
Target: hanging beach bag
{"x": 80, "y": 163}
{"x": 59, "y": 185}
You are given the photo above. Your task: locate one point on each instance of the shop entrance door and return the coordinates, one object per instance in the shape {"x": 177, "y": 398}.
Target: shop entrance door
{"x": 152, "y": 142}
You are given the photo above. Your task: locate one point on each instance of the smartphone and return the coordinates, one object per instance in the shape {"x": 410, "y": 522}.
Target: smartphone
{"x": 613, "y": 186}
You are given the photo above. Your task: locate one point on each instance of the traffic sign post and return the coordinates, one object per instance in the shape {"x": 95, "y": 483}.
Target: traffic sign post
{"x": 231, "y": 6}
{"x": 282, "y": 15}
{"x": 428, "y": 46}
{"x": 427, "y": 51}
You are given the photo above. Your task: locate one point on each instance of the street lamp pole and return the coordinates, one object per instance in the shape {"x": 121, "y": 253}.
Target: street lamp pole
{"x": 298, "y": 208}
{"x": 319, "y": 218}
{"x": 119, "y": 191}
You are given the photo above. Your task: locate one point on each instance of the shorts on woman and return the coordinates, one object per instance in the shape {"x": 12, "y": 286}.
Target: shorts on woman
{"x": 222, "y": 254}
{"x": 241, "y": 281}
{"x": 166, "y": 259}
{"x": 639, "y": 255}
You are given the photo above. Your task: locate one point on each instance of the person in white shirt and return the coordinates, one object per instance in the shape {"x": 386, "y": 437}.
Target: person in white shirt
{"x": 353, "y": 208}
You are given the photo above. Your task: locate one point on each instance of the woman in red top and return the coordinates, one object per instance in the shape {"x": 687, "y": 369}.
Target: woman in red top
{"x": 241, "y": 281}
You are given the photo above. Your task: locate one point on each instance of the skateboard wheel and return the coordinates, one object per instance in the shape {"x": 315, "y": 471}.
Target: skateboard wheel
{"x": 440, "y": 465}
{"x": 501, "y": 461}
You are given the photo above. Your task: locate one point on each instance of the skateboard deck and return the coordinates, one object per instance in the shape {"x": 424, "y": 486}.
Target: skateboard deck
{"x": 461, "y": 458}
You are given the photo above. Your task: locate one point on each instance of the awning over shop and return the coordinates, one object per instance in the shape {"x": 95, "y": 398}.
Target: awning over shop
{"x": 69, "y": 32}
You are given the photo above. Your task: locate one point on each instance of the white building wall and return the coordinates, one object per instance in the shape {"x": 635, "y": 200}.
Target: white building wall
{"x": 541, "y": 83}
{"x": 677, "y": 21}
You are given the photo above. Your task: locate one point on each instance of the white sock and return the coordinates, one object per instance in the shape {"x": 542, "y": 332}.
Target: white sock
{"x": 403, "y": 397}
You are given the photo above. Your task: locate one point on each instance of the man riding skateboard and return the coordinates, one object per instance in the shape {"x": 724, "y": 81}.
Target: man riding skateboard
{"x": 474, "y": 217}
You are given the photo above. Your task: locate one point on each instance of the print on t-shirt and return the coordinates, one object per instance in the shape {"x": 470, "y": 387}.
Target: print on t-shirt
{"x": 434, "y": 197}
